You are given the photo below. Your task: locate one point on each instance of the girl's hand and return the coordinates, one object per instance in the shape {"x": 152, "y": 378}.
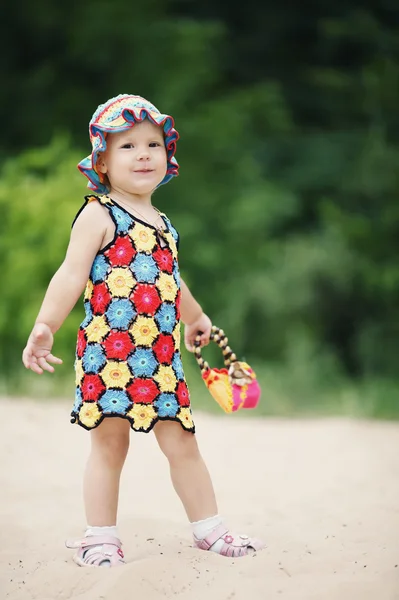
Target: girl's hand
{"x": 37, "y": 353}
{"x": 202, "y": 325}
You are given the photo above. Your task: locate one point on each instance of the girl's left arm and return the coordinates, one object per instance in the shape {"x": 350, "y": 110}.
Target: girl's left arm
{"x": 194, "y": 319}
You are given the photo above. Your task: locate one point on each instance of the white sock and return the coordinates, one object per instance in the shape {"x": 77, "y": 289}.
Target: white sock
{"x": 201, "y": 529}
{"x": 111, "y": 530}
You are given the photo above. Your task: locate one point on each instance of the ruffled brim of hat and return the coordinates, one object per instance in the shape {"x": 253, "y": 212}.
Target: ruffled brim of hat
{"x": 128, "y": 118}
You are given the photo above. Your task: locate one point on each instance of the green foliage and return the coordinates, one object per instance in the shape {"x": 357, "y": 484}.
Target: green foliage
{"x": 39, "y": 195}
{"x": 287, "y": 202}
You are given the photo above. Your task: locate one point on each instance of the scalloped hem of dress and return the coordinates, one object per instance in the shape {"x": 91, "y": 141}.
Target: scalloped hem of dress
{"x": 76, "y": 421}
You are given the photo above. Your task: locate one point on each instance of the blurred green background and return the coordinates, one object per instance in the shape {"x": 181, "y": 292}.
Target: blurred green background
{"x": 287, "y": 199}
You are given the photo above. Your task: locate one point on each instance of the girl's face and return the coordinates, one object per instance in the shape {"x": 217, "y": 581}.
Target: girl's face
{"x": 135, "y": 160}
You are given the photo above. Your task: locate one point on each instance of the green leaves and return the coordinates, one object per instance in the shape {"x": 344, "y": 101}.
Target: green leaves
{"x": 287, "y": 199}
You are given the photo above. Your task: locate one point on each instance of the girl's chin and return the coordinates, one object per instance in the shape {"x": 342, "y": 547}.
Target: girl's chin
{"x": 143, "y": 181}
{"x": 139, "y": 189}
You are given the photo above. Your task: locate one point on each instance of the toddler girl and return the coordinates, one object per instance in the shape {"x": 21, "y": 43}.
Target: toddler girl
{"x": 123, "y": 253}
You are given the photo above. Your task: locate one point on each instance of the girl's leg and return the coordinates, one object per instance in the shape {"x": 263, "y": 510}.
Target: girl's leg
{"x": 189, "y": 474}
{"x": 193, "y": 484}
{"x": 109, "y": 446}
{"x": 101, "y": 546}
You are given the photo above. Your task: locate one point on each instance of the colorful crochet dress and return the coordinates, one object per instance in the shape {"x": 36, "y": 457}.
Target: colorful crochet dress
{"x": 128, "y": 361}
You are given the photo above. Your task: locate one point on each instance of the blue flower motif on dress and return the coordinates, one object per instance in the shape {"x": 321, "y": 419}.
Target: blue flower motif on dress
{"x": 176, "y": 273}
{"x": 145, "y": 268}
{"x": 78, "y": 401}
{"x": 99, "y": 269}
{"x": 166, "y": 318}
{"x": 178, "y": 366}
{"x": 173, "y": 232}
{"x": 167, "y": 405}
{"x": 93, "y": 358}
{"x": 120, "y": 313}
{"x": 89, "y": 314}
{"x": 142, "y": 362}
{"x": 115, "y": 401}
{"x": 123, "y": 220}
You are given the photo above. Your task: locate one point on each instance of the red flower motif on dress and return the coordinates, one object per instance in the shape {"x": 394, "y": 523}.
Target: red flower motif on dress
{"x": 92, "y": 387}
{"x": 178, "y": 300}
{"x": 164, "y": 348}
{"x": 119, "y": 345}
{"x": 143, "y": 390}
{"x": 164, "y": 259}
{"x": 183, "y": 394}
{"x": 146, "y": 298}
{"x": 100, "y": 298}
{"x": 81, "y": 343}
{"x": 121, "y": 252}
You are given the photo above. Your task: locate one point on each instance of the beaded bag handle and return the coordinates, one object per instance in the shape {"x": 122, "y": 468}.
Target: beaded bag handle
{"x": 220, "y": 338}
{"x": 234, "y": 386}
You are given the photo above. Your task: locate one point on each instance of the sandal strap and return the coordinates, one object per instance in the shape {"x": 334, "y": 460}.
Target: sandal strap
{"x": 234, "y": 545}
{"x": 210, "y": 539}
{"x": 94, "y": 540}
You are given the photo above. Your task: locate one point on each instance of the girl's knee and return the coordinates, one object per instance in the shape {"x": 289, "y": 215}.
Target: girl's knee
{"x": 176, "y": 443}
{"x": 111, "y": 440}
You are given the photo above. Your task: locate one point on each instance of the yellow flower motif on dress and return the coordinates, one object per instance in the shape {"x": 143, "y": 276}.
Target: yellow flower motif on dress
{"x": 167, "y": 287}
{"x": 143, "y": 237}
{"x": 120, "y": 282}
{"x": 89, "y": 415}
{"x": 88, "y": 290}
{"x": 172, "y": 244}
{"x": 143, "y": 416}
{"x": 177, "y": 336}
{"x": 97, "y": 329}
{"x": 79, "y": 373}
{"x": 116, "y": 374}
{"x": 185, "y": 418}
{"x": 166, "y": 379}
{"x": 144, "y": 331}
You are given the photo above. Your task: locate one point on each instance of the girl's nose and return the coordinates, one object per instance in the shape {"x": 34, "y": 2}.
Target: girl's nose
{"x": 143, "y": 154}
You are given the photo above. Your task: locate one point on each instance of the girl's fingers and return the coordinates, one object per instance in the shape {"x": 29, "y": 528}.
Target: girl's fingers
{"x": 54, "y": 359}
{"x": 190, "y": 345}
{"x": 42, "y": 362}
{"x": 33, "y": 366}
{"x": 30, "y": 361}
{"x": 25, "y": 359}
{"x": 191, "y": 339}
{"x": 204, "y": 340}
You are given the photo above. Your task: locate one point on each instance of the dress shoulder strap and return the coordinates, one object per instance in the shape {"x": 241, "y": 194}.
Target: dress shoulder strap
{"x": 172, "y": 229}
{"x": 104, "y": 200}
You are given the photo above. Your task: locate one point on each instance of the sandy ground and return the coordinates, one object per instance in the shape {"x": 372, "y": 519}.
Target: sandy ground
{"x": 324, "y": 494}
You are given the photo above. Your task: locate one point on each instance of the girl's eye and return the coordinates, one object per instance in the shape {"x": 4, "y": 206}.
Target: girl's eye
{"x": 151, "y": 144}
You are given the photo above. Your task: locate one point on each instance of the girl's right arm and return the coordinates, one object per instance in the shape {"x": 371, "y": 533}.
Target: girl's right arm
{"x": 66, "y": 286}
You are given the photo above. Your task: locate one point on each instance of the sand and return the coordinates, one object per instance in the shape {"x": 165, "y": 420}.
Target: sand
{"x": 324, "y": 494}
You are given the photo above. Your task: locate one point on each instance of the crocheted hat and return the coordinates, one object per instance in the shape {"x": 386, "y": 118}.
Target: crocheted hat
{"x": 118, "y": 114}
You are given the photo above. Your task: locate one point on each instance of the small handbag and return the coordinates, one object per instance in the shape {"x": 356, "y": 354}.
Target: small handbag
{"x": 234, "y": 386}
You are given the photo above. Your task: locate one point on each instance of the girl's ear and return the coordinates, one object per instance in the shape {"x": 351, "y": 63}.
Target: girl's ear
{"x": 101, "y": 164}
